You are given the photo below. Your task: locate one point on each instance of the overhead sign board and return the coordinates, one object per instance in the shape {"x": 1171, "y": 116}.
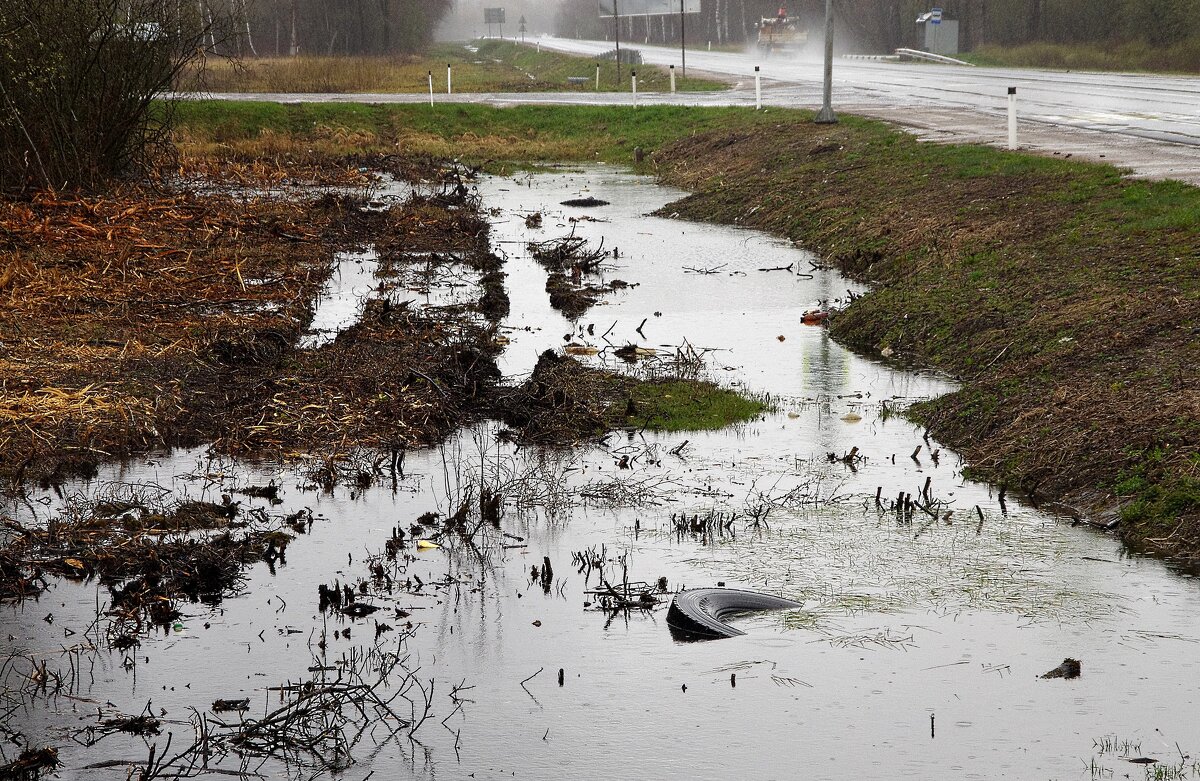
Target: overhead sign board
{"x": 493, "y": 16}
{"x": 648, "y": 7}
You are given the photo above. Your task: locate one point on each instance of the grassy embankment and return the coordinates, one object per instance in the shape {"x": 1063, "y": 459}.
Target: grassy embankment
{"x": 1132, "y": 56}
{"x": 496, "y": 66}
{"x": 1064, "y": 296}
{"x": 503, "y": 139}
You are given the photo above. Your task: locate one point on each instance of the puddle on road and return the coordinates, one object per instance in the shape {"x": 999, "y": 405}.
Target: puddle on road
{"x": 916, "y": 654}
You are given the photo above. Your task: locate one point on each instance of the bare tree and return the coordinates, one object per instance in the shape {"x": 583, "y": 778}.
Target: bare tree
{"x": 348, "y": 27}
{"x": 79, "y": 80}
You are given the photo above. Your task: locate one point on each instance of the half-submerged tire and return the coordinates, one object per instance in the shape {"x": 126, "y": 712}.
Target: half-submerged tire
{"x": 701, "y": 613}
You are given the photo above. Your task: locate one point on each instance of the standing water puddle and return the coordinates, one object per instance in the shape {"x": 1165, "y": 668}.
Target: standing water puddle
{"x": 340, "y": 303}
{"x": 917, "y": 654}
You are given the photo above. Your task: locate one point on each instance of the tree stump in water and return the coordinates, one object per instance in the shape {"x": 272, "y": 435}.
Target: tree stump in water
{"x": 1070, "y": 668}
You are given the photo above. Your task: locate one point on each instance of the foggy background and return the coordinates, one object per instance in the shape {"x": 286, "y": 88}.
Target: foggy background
{"x": 282, "y": 27}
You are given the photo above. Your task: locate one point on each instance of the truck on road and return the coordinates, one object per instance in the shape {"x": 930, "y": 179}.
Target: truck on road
{"x": 781, "y": 33}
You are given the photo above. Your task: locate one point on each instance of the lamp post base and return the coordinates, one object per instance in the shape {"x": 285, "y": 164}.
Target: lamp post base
{"x": 826, "y": 117}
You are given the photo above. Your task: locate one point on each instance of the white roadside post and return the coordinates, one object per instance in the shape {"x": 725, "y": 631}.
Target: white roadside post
{"x": 597, "y": 77}
{"x": 448, "y": 90}
{"x": 757, "y": 89}
{"x": 672, "y": 79}
{"x": 634, "y": 76}
{"x": 1012, "y": 117}
{"x": 431, "y": 89}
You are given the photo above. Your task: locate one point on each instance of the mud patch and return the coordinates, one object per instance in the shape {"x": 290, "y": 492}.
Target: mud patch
{"x": 147, "y": 553}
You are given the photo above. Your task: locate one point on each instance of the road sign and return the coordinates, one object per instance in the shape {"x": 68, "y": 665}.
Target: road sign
{"x": 935, "y": 16}
{"x": 493, "y": 16}
{"x": 648, "y": 7}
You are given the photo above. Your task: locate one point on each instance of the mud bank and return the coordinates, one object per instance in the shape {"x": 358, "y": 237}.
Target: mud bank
{"x": 141, "y": 320}
{"x": 1061, "y": 295}
{"x": 272, "y": 313}
{"x": 335, "y": 327}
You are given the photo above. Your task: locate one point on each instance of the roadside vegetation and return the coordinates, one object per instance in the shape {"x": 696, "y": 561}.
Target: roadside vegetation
{"x": 77, "y": 83}
{"x": 483, "y": 66}
{"x": 498, "y": 139}
{"x": 1183, "y": 57}
{"x": 1061, "y": 294}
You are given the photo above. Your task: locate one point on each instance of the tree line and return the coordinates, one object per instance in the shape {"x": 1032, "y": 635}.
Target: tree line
{"x": 323, "y": 27}
{"x": 882, "y": 25}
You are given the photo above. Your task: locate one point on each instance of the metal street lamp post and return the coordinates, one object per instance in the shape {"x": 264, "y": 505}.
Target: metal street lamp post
{"x": 617, "y": 37}
{"x": 682, "y": 40}
{"x": 826, "y": 115}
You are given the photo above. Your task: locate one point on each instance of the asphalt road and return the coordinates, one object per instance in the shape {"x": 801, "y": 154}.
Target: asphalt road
{"x": 1147, "y": 123}
{"x": 1164, "y": 108}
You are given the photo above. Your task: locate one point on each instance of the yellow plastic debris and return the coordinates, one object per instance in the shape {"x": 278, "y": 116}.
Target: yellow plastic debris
{"x": 426, "y": 545}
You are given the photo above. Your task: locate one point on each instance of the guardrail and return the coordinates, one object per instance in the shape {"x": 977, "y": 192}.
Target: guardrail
{"x": 917, "y": 54}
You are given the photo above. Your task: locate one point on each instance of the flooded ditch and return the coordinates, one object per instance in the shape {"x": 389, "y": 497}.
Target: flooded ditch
{"x": 917, "y": 653}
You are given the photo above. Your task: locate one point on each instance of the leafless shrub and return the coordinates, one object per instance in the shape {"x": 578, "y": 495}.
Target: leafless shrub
{"x": 80, "y": 82}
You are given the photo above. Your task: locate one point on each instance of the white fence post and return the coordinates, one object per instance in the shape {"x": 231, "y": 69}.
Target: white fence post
{"x": 1012, "y": 117}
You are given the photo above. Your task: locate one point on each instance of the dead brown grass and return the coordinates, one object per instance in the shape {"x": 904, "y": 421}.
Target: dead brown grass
{"x": 140, "y": 319}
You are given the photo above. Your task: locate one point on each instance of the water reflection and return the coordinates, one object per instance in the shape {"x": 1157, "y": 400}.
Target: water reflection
{"x": 905, "y": 617}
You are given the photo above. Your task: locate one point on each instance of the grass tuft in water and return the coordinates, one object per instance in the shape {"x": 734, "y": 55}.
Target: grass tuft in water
{"x": 683, "y": 405}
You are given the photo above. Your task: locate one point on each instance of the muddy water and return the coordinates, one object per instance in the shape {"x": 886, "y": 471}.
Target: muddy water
{"x": 918, "y": 651}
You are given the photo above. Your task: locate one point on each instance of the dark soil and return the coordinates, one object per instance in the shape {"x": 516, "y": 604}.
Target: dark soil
{"x": 567, "y": 260}
{"x": 1064, "y": 297}
{"x": 30, "y": 765}
{"x": 147, "y": 320}
{"x": 583, "y": 202}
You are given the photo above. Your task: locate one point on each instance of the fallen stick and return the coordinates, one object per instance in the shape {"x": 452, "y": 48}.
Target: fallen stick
{"x": 679, "y": 448}
{"x": 530, "y": 678}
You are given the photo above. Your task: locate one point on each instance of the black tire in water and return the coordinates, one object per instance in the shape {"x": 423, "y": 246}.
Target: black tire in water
{"x": 701, "y": 613}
